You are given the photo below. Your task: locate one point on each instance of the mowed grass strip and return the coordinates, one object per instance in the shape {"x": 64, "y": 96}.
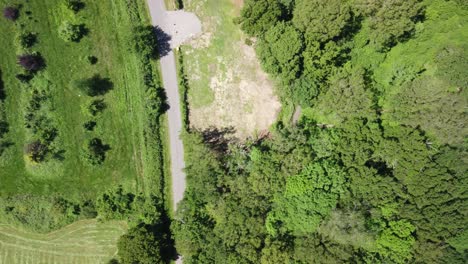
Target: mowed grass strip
{"x": 82, "y": 242}
{"x": 122, "y": 123}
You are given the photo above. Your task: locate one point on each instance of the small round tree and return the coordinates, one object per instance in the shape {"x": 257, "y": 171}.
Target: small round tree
{"x": 95, "y": 152}
{"x": 27, "y": 40}
{"x": 31, "y": 62}
{"x": 70, "y": 32}
{"x": 74, "y": 5}
{"x": 139, "y": 245}
{"x": 11, "y": 13}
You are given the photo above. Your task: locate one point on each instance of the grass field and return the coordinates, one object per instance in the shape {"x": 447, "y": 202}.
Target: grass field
{"x": 122, "y": 123}
{"x": 82, "y": 242}
{"x": 127, "y": 124}
{"x": 227, "y": 86}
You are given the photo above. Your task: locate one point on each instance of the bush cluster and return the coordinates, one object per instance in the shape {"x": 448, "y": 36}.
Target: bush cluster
{"x": 31, "y": 62}
{"x": 95, "y": 151}
{"x": 11, "y": 13}
{"x": 27, "y": 39}
{"x": 74, "y": 5}
{"x": 71, "y": 32}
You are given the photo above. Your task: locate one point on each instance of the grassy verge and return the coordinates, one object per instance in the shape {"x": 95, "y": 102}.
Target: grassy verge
{"x": 129, "y": 123}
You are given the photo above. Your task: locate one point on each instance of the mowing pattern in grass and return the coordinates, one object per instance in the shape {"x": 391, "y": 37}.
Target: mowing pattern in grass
{"x": 82, "y": 242}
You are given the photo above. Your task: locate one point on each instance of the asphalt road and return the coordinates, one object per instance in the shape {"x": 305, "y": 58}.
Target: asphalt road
{"x": 169, "y": 74}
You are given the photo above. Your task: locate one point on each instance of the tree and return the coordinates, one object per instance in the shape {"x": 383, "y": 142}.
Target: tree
{"x": 321, "y": 20}
{"x": 347, "y": 97}
{"x": 146, "y": 41}
{"x": 71, "y": 33}
{"x": 27, "y": 40}
{"x": 139, "y": 246}
{"x": 394, "y": 21}
{"x": 309, "y": 198}
{"x": 31, "y": 62}
{"x": 96, "y": 150}
{"x": 97, "y": 106}
{"x": 257, "y": 16}
{"x": 428, "y": 103}
{"x": 280, "y": 51}
{"x": 115, "y": 204}
{"x": 396, "y": 241}
{"x": 74, "y": 5}
{"x": 11, "y": 13}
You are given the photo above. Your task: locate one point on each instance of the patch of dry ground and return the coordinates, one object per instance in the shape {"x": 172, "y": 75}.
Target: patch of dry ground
{"x": 242, "y": 95}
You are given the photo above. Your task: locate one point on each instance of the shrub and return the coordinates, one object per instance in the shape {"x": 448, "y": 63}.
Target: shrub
{"x": 27, "y": 40}
{"x": 31, "y": 62}
{"x": 90, "y": 125}
{"x": 72, "y": 33}
{"x": 11, "y": 13}
{"x": 93, "y": 86}
{"x": 96, "y": 151}
{"x": 96, "y": 107}
{"x": 139, "y": 245}
{"x": 36, "y": 151}
{"x": 146, "y": 42}
{"x": 92, "y": 59}
{"x": 74, "y": 5}
{"x": 24, "y": 78}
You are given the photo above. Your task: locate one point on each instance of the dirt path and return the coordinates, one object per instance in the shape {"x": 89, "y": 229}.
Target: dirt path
{"x": 177, "y": 26}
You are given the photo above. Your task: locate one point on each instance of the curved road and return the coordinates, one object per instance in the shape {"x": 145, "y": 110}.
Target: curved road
{"x": 169, "y": 74}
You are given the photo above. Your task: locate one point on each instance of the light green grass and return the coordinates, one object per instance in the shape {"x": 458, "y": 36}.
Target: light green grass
{"x": 222, "y": 51}
{"x": 82, "y": 242}
{"x": 121, "y": 125}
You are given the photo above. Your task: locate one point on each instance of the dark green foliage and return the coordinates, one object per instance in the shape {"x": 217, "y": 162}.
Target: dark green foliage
{"x": 320, "y": 20}
{"x": 140, "y": 245}
{"x": 376, "y": 169}
{"x": 74, "y": 5}
{"x": 309, "y": 197}
{"x": 71, "y": 32}
{"x": 280, "y": 51}
{"x": 93, "y": 86}
{"x": 95, "y": 151}
{"x": 432, "y": 105}
{"x": 258, "y": 16}
{"x": 394, "y": 21}
{"x": 11, "y": 13}
{"x": 40, "y": 122}
{"x": 90, "y": 125}
{"x": 115, "y": 204}
{"x": 146, "y": 42}
{"x": 92, "y": 59}
{"x": 31, "y": 62}
{"x": 40, "y": 213}
{"x": 27, "y": 40}
{"x": 96, "y": 107}
{"x": 451, "y": 62}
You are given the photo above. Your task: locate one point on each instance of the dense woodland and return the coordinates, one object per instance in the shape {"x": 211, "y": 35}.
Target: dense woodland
{"x": 375, "y": 171}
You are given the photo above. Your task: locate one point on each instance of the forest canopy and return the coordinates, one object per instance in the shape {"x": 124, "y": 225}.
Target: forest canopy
{"x": 375, "y": 170}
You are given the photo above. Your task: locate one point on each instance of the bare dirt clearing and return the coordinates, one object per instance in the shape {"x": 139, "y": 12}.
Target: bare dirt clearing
{"x": 227, "y": 86}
